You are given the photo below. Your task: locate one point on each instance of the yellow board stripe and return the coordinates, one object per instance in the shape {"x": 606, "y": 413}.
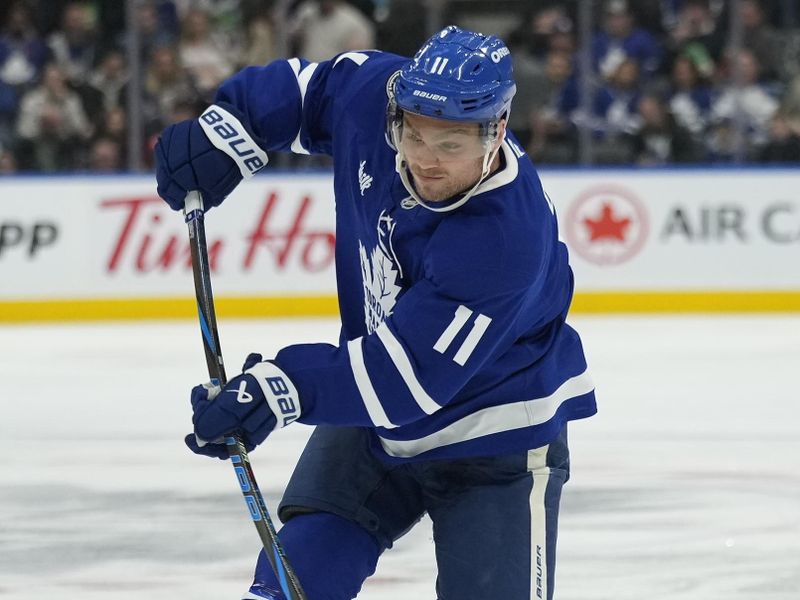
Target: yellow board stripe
{"x": 686, "y": 302}
{"x": 314, "y": 306}
{"x": 164, "y": 308}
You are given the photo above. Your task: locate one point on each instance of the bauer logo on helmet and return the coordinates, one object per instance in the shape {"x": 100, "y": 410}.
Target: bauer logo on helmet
{"x": 429, "y": 96}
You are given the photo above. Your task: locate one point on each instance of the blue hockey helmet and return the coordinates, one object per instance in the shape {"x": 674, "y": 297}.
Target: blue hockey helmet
{"x": 458, "y": 75}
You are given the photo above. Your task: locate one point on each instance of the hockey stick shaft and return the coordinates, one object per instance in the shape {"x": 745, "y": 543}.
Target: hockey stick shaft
{"x": 194, "y": 216}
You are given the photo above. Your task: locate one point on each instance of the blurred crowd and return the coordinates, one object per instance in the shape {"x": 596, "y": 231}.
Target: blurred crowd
{"x": 665, "y": 84}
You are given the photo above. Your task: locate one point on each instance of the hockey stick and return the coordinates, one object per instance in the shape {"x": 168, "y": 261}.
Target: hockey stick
{"x": 194, "y": 216}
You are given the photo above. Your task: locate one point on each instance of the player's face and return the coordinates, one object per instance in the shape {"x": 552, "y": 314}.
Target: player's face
{"x": 445, "y": 158}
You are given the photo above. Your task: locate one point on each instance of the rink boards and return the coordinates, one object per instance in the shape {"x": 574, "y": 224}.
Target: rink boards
{"x": 640, "y": 241}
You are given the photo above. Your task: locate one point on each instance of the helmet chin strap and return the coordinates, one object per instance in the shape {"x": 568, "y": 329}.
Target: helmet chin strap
{"x": 401, "y": 166}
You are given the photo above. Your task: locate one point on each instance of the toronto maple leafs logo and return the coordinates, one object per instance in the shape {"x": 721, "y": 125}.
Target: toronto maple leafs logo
{"x": 379, "y": 272}
{"x": 364, "y": 178}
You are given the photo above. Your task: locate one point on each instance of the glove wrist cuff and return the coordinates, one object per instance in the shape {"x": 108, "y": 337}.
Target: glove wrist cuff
{"x": 279, "y": 392}
{"x": 228, "y": 134}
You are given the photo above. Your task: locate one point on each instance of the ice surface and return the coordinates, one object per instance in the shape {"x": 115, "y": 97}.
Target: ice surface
{"x": 686, "y": 484}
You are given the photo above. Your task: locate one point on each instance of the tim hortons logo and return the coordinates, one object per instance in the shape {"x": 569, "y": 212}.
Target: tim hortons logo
{"x": 146, "y": 243}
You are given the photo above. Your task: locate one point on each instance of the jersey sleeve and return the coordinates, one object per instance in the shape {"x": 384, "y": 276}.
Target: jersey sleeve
{"x": 441, "y": 333}
{"x": 293, "y": 104}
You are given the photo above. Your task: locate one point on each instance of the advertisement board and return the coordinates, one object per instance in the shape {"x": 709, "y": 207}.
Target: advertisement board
{"x": 681, "y": 239}
{"x": 108, "y": 247}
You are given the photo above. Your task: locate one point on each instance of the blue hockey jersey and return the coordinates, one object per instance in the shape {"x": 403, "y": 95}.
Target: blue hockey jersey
{"x": 454, "y": 341}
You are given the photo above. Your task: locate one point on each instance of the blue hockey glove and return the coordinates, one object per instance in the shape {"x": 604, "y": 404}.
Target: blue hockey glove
{"x": 210, "y": 154}
{"x": 253, "y": 404}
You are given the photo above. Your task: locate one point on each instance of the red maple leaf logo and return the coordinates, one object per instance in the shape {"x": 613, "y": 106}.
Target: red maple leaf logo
{"x": 607, "y": 226}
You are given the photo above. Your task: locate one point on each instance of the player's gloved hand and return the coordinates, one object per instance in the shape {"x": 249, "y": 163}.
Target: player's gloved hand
{"x": 252, "y": 404}
{"x": 210, "y": 154}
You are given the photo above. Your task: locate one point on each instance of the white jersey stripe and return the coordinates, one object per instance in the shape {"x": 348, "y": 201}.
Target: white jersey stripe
{"x": 516, "y": 149}
{"x": 478, "y": 329}
{"x": 357, "y": 57}
{"x": 370, "y": 398}
{"x": 303, "y": 78}
{"x": 461, "y": 317}
{"x": 403, "y": 365}
{"x": 495, "y": 419}
{"x": 540, "y": 472}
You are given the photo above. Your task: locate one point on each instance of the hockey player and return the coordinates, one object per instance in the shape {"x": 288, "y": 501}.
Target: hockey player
{"x": 456, "y": 372}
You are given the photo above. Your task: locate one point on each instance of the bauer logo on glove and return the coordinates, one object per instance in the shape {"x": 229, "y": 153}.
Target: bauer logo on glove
{"x": 278, "y": 390}
{"x": 253, "y": 404}
{"x": 210, "y": 155}
{"x": 229, "y": 135}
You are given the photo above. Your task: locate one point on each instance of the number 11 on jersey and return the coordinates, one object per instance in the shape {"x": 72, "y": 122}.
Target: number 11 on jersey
{"x": 461, "y": 318}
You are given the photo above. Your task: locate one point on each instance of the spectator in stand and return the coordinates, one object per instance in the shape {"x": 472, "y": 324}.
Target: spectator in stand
{"x": 783, "y": 145}
{"x": 105, "y": 156}
{"x": 52, "y": 125}
{"x": 8, "y": 112}
{"x": 562, "y": 37}
{"x": 110, "y": 79}
{"x": 660, "y": 140}
{"x": 155, "y": 31}
{"x": 188, "y": 108}
{"x": 202, "y": 55}
{"x": 113, "y": 126}
{"x": 324, "y": 28}
{"x": 615, "y": 114}
{"x": 166, "y": 84}
{"x": 110, "y": 22}
{"x": 553, "y": 135}
{"x": 544, "y": 34}
{"x": 690, "y": 100}
{"x": 616, "y": 103}
{"x": 104, "y": 89}
{"x": 670, "y": 12}
{"x": 790, "y": 103}
{"x": 22, "y": 56}
{"x": 748, "y": 101}
{"x": 534, "y": 36}
{"x": 621, "y": 40}
{"x": 761, "y": 38}
{"x": 698, "y": 34}
{"x": 23, "y": 53}
{"x": 260, "y": 38}
{"x": 74, "y": 46}
{"x": 227, "y": 20}
{"x": 8, "y": 164}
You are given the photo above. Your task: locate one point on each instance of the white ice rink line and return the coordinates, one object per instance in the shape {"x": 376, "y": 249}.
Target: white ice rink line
{"x": 685, "y": 485}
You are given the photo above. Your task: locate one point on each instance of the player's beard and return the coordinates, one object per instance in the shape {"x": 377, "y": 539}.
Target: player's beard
{"x": 438, "y": 190}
